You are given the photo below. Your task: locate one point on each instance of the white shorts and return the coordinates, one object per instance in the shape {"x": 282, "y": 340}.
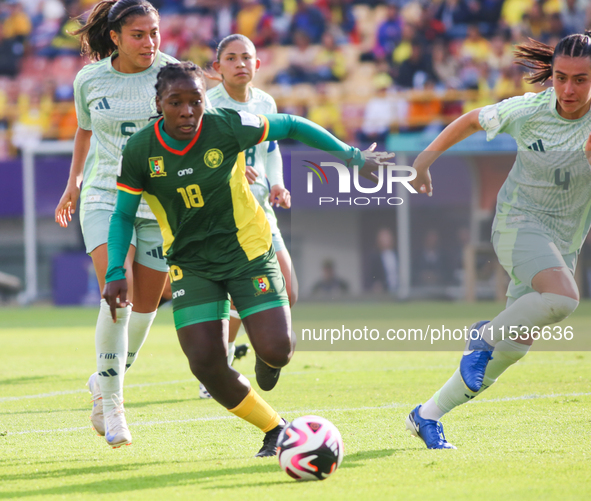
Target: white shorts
{"x": 146, "y": 238}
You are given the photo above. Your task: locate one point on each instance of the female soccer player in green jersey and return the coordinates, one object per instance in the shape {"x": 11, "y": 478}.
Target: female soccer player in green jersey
{"x": 115, "y": 98}
{"x": 542, "y": 218}
{"x": 189, "y": 167}
{"x": 237, "y": 63}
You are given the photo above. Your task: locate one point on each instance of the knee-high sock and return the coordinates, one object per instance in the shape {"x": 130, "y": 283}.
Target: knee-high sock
{"x": 531, "y": 310}
{"x": 139, "y": 327}
{"x": 111, "y": 353}
{"x": 256, "y": 411}
{"x": 454, "y": 392}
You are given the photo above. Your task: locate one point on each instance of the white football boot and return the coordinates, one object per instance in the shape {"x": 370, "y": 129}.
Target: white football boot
{"x": 96, "y": 417}
{"x": 116, "y": 430}
{"x": 203, "y": 393}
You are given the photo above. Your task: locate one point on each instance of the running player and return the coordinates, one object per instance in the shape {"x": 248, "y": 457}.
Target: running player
{"x": 237, "y": 63}
{"x": 542, "y": 218}
{"x": 114, "y": 99}
{"x": 189, "y": 167}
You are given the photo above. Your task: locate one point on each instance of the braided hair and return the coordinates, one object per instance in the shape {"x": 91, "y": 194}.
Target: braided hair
{"x": 107, "y": 15}
{"x": 176, "y": 71}
{"x": 539, "y": 57}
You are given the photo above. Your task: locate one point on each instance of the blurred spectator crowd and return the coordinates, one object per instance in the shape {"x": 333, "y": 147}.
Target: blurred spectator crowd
{"x": 362, "y": 69}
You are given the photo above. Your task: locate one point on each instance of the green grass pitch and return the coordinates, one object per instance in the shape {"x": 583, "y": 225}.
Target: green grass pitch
{"x": 527, "y": 437}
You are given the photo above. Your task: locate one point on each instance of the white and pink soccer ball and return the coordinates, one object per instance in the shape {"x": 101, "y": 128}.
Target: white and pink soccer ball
{"x": 310, "y": 448}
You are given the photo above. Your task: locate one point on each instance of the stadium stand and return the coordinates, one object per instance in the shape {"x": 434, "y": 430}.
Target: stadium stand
{"x": 441, "y": 58}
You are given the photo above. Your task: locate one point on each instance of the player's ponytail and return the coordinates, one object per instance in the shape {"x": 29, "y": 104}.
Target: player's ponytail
{"x": 539, "y": 57}
{"x": 107, "y": 15}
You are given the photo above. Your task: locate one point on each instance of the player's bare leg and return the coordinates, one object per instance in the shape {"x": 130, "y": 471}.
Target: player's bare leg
{"x": 271, "y": 337}
{"x": 291, "y": 281}
{"x": 205, "y": 345}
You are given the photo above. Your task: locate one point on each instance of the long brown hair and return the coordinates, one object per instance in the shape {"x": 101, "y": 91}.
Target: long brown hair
{"x": 107, "y": 15}
{"x": 539, "y": 57}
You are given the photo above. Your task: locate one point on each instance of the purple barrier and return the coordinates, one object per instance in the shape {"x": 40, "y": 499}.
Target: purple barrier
{"x": 51, "y": 175}
{"x": 74, "y": 280}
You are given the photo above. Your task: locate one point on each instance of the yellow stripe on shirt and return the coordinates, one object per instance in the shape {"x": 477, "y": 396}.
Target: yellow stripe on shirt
{"x": 160, "y": 213}
{"x": 254, "y": 231}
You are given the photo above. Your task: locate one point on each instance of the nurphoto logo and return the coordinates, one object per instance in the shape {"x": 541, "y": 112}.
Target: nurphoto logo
{"x": 387, "y": 175}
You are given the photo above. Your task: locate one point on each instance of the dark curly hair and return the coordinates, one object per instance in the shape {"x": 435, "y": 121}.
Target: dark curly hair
{"x": 176, "y": 71}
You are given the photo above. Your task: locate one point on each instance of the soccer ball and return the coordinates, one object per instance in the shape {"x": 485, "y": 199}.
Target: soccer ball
{"x": 310, "y": 448}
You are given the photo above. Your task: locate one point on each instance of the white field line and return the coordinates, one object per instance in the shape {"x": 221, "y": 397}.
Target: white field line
{"x": 72, "y": 392}
{"x": 312, "y": 411}
{"x": 184, "y": 381}
{"x": 284, "y": 374}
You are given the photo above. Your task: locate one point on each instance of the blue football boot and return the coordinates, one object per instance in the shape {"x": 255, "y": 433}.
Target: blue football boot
{"x": 428, "y": 430}
{"x": 476, "y": 357}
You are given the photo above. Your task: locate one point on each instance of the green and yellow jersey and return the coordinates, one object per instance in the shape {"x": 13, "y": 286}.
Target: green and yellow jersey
{"x": 210, "y": 221}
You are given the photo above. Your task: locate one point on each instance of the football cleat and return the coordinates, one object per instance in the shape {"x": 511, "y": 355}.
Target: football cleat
{"x": 475, "y": 359}
{"x": 269, "y": 447}
{"x": 267, "y": 376}
{"x": 116, "y": 430}
{"x": 428, "y": 430}
{"x": 96, "y": 416}
{"x": 241, "y": 351}
{"x": 203, "y": 393}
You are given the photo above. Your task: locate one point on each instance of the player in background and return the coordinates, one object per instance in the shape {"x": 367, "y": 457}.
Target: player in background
{"x": 237, "y": 63}
{"x": 188, "y": 165}
{"x": 542, "y": 217}
{"x": 115, "y": 98}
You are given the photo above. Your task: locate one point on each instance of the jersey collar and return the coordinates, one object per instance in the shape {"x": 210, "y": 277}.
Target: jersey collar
{"x": 238, "y": 103}
{"x": 171, "y": 144}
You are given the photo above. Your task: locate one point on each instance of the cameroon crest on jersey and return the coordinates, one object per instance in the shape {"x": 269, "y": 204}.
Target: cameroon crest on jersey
{"x": 156, "y": 166}
{"x": 262, "y": 285}
{"x": 213, "y": 158}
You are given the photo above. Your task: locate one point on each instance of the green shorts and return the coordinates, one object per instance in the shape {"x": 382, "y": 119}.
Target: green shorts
{"x": 257, "y": 286}
{"x": 146, "y": 238}
{"x": 524, "y": 253}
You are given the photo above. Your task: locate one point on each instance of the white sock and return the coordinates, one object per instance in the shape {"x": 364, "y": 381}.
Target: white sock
{"x": 111, "y": 353}
{"x": 231, "y": 351}
{"x": 454, "y": 392}
{"x": 139, "y": 327}
{"x": 430, "y": 410}
{"x": 531, "y": 310}
{"x": 506, "y": 354}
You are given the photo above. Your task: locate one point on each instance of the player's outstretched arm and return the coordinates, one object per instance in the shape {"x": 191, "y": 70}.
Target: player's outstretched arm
{"x": 282, "y": 126}
{"x": 69, "y": 200}
{"x": 120, "y": 233}
{"x": 458, "y": 130}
